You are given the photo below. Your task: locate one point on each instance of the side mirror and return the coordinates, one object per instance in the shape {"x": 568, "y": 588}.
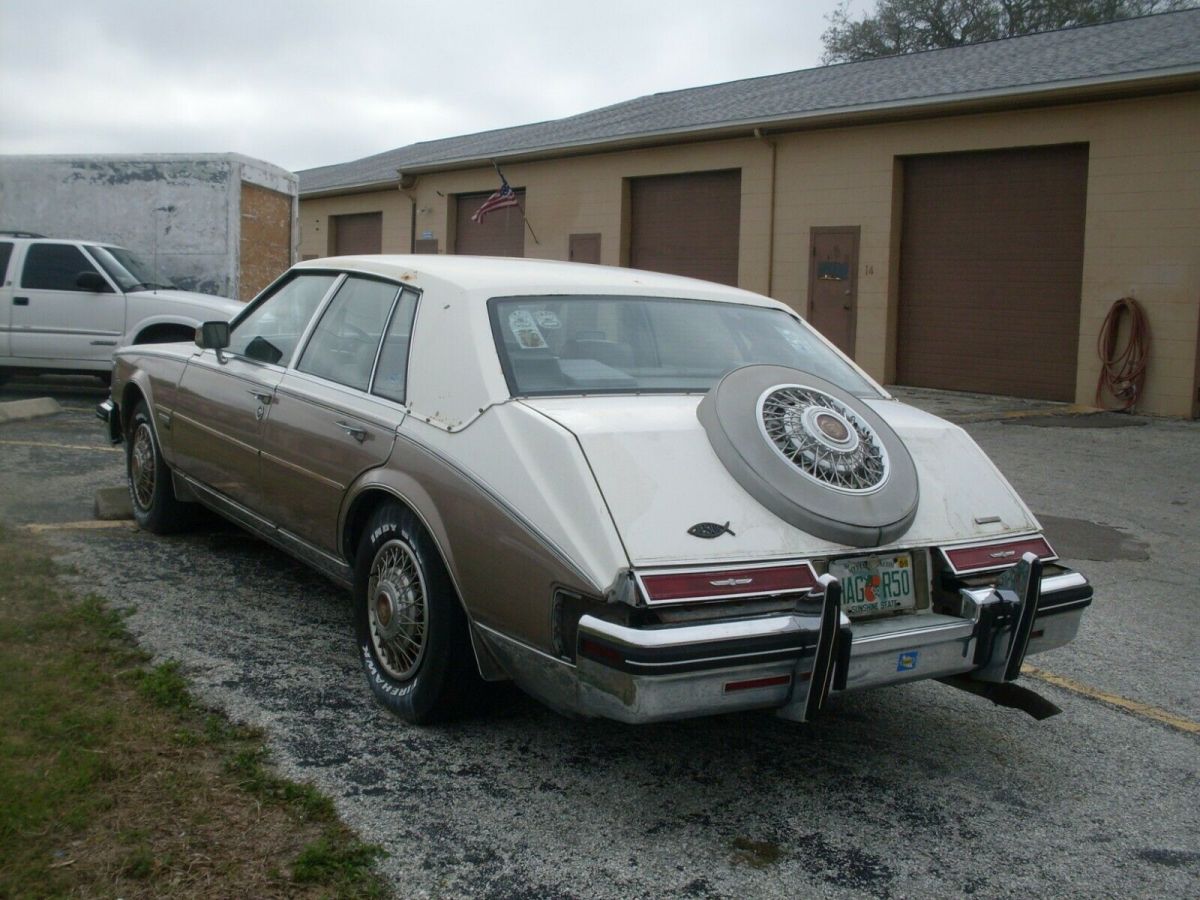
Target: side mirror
{"x": 213, "y": 336}
{"x": 90, "y": 281}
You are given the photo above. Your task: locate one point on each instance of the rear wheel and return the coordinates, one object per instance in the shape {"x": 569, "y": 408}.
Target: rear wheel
{"x": 155, "y": 507}
{"x": 412, "y": 632}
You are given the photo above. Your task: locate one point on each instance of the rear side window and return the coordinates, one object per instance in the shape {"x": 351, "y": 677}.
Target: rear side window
{"x": 345, "y": 343}
{"x": 55, "y": 267}
{"x": 391, "y": 375}
{"x": 5, "y": 256}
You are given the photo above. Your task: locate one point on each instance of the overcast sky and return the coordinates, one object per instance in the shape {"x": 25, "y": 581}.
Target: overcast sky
{"x": 305, "y": 83}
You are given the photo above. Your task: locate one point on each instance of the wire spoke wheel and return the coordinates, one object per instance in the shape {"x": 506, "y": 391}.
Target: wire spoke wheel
{"x": 142, "y": 469}
{"x": 823, "y": 438}
{"x": 397, "y": 609}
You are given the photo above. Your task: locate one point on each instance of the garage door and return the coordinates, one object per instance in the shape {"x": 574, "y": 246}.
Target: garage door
{"x": 357, "y": 233}
{"x": 501, "y": 233}
{"x": 991, "y": 264}
{"x": 687, "y": 224}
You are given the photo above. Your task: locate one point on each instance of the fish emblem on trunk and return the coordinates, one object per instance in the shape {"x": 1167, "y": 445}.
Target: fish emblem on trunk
{"x": 710, "y": 530}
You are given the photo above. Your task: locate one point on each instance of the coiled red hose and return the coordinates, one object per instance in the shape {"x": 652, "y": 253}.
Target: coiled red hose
{"x": 1123, "y": 372}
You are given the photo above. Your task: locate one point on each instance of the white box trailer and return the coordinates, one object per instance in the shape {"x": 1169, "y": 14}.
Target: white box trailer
{"x": 217, "y": 223}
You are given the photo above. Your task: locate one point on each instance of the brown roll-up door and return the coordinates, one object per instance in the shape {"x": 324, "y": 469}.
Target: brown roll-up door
{"x": 991, "y": 267}
{"x": 501, "y": 233}
{"x": 357, "y": 233}
{"x": 687, "y": 224}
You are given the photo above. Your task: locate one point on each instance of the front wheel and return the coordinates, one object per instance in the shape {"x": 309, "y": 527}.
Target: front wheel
{"x": 151, "y": 493}
{"x": 412, "y": 632}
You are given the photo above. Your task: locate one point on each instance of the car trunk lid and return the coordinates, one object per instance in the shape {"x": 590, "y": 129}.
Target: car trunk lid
{"x": 668, "y": 491}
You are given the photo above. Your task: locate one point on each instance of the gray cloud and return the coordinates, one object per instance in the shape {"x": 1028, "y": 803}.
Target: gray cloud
{"x": 308, "y": 83}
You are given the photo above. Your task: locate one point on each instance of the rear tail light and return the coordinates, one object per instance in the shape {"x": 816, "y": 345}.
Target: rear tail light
{"x": 693, "y": 586}
{"x": 994, "y": 555}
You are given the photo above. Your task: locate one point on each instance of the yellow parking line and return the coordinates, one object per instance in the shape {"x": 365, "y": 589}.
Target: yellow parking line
{"x": 1144, "y": 710}
{"x": 89, "y": 525}
{"x": 61, "y": 446}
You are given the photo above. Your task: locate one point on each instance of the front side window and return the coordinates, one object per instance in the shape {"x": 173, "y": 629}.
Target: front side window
{"x": 271, "y": 330}
{"x": 56, "y": 267}
{"x": 129, "y": 271}
{"x": 345, "y": 342}
{"x": 600, "y": 344}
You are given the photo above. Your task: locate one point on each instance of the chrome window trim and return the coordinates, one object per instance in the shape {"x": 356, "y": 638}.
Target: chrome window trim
{"x": 306, "y": 334}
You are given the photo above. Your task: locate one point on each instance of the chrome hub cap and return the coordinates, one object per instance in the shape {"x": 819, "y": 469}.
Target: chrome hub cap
{"x": 397, "y": 610}
{"x": 141, "y": 466}
{"x": 823, "y": 438}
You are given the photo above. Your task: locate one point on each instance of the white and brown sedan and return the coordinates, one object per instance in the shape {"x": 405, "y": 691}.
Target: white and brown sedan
{"x": 635, "y": 495}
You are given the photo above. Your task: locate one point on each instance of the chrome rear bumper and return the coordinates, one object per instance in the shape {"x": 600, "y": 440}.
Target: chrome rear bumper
{"x": 793, "y": 661}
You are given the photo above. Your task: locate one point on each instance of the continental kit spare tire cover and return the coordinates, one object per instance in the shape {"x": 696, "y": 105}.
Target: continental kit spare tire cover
{"x": 812, "y": 453}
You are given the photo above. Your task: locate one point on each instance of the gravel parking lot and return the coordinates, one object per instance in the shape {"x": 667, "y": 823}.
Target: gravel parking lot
{"x": 912, "y": 791}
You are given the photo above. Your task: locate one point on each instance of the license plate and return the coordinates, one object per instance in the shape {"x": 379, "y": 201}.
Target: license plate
{"x": 874, "y": 584}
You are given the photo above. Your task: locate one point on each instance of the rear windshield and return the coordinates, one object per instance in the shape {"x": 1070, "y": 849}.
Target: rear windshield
{"x": 602, "y": 344}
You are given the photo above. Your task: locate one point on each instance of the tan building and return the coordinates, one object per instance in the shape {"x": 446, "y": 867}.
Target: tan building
{"x": 959, "y": 219}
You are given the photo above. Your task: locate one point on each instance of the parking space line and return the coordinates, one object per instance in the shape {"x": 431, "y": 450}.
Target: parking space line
{"x": 88, "y": 525}
{"x": 1142, "y": 710}
{"x": 61, "y": 446}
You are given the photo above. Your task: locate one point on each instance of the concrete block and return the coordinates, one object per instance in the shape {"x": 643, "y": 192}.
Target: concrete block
{"x": 34, "y": 408}
{"x": 112, "y": 503}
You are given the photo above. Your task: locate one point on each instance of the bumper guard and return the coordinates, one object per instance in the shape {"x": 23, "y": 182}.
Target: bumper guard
{"x": 793, "y": 662}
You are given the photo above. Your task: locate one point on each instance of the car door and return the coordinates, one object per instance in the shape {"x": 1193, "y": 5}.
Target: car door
{"x": 54, "y": 317}
{"x": 223, "y": 398}
{"x": 6, "y": 251}
{"x": 338, "y": 408}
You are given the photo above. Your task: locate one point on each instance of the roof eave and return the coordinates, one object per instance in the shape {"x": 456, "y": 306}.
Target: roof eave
{"x": 1159, "y": 81}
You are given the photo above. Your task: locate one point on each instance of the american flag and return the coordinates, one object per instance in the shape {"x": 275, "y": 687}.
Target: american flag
{"x": 502, "y": 198}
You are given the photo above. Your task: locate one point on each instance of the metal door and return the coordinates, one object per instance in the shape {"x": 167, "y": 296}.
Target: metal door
{"x": 217, "y": 422}
{"x": 319, "y": 437}
{"x": 687, "y": 224}
{"x": 54, "y": 318}
{"x": 584, "y": 248}
{"x": 833, "y": 284}
{"x": 326, "y": 427}
{"x": 991, "y": 271}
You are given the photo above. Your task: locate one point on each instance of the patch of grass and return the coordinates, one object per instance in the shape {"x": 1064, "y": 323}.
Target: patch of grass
{"x": 164, "y": 686}
{"x": 323, "y": 862}
{"x": 116, "y": 782}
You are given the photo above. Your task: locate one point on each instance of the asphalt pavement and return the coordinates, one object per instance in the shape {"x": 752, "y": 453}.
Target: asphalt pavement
{"x": 904, "y": 792}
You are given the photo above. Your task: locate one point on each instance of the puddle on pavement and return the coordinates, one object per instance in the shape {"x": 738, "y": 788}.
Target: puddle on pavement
{"x": 1081, "y": 539}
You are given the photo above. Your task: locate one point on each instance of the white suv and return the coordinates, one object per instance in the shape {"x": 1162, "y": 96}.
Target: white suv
{"x": 65, "y": 306}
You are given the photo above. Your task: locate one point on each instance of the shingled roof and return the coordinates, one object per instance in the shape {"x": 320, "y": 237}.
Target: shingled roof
{"x": 1129, "y": 50}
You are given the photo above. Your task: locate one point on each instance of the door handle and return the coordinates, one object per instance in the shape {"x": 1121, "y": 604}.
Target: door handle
{"x": 20, "y": 301}
{"x": 264, "y": 399}
{"x": 355, "y": 431}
